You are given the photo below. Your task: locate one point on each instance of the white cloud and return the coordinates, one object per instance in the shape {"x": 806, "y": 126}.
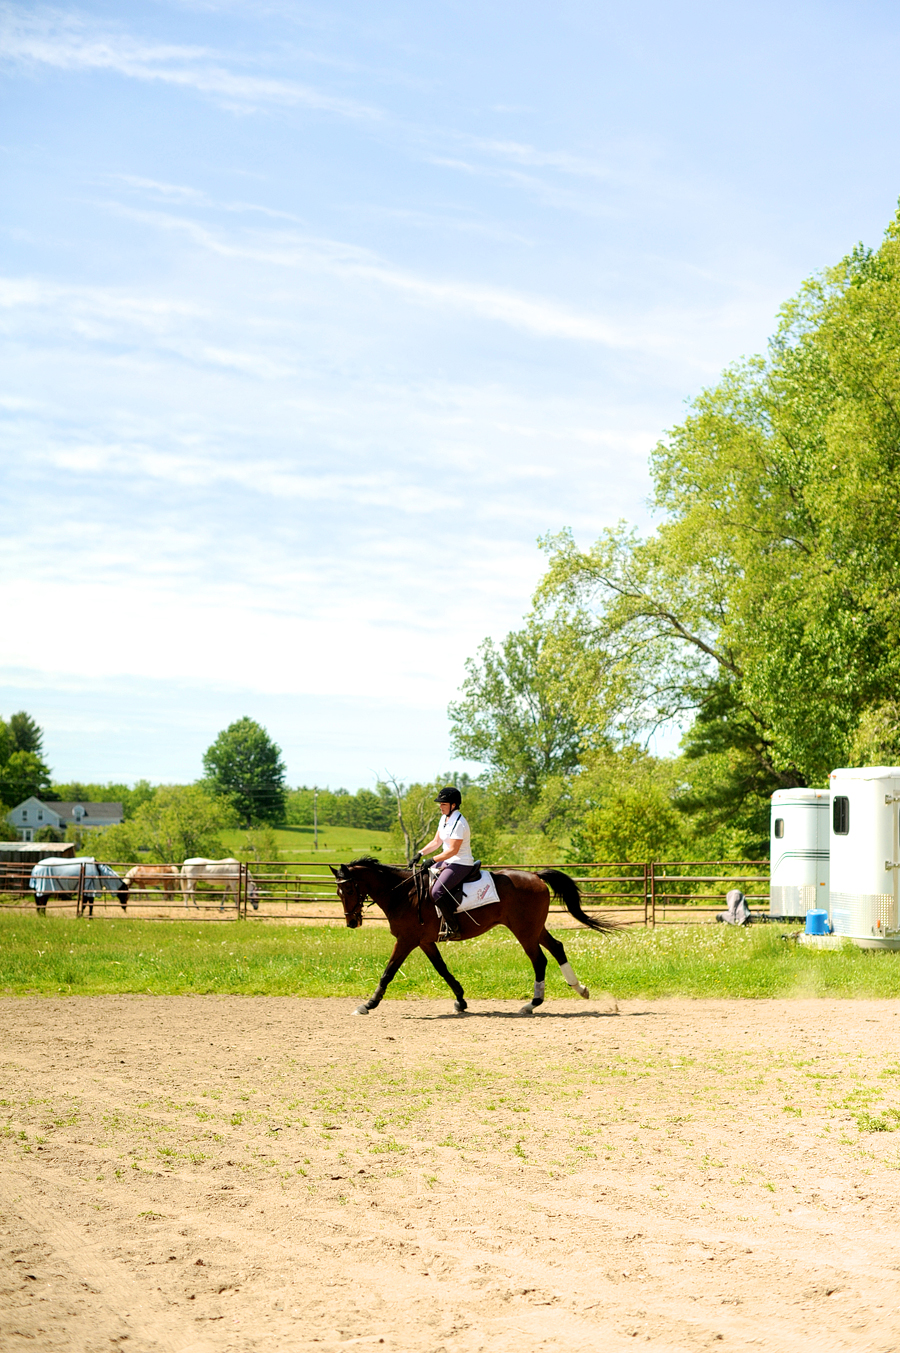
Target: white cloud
{"x": 64, "y": 41}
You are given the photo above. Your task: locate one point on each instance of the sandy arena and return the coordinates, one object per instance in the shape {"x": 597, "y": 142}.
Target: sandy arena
{"x": 202, "y": 1174}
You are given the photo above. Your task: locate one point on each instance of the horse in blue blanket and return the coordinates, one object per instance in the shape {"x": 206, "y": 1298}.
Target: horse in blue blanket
{"x": 60, "y": 878}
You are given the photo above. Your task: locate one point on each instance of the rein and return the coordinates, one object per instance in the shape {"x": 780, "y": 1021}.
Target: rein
{"x": 419, "y": 878}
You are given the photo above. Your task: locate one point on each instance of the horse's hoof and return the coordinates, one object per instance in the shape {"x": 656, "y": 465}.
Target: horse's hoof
{"x": 460, "y": 1007}
{"x": 361, "y": 1010}
{"x": 527, "y": 1009}
{"x": 583, "y": 991}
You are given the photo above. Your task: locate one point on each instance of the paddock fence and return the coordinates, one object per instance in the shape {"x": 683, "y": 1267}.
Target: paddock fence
{"x": 650, "y": 894}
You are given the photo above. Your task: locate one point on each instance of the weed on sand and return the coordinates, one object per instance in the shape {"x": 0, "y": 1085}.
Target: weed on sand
{"x": 54, "y": 956}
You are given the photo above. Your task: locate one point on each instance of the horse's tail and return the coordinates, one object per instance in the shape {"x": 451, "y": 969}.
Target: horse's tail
{"x": 565, "y": 889}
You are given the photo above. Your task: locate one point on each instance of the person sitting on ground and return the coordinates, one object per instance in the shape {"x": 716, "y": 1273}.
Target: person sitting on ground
{"x": 455, "y": 858}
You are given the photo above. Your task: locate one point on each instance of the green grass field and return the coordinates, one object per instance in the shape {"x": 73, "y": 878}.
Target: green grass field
{"x": 53, "y": 956}
{"x": 295, "y": 844}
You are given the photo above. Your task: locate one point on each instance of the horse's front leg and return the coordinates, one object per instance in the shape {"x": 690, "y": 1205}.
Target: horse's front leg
{"x": 436, "y": 959}
{"x": 402, "y": 951}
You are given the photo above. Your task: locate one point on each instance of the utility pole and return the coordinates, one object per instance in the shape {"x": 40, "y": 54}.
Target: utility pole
{"x": 315, "y": 817}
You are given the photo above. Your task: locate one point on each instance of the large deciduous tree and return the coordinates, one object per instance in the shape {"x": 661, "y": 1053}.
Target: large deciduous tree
{"x": 762, "y": 614}
{"x": 244, "y": 765}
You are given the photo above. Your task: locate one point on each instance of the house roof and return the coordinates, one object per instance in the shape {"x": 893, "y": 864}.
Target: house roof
{"x": 108, "y": 810}
{"x": 100, "y": 812}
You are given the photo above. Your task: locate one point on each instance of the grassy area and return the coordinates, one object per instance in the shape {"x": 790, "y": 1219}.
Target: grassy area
{"x": 56, "y": 956}
{"x": 295, "y": 844}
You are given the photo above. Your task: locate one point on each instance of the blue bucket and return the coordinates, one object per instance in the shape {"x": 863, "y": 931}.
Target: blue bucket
{"x": 817, "y": 923}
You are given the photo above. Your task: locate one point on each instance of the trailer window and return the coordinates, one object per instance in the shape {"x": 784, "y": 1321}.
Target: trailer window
{"x": 779, "y": 828}
{"x": 841, "y": 815}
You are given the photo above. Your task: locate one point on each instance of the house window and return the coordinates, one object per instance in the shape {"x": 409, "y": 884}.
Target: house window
{"x": 840, "y": 815}
{"x": 779, "y": 828}
{"x": 40, "y": 816}
{"x": 24, "y": 814}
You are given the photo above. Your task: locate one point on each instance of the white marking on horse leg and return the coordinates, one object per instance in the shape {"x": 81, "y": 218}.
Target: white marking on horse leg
{"x": 568, "y": 973}
{"x": 536, "y": 1000}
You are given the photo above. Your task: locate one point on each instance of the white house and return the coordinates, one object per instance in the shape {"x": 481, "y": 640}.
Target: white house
{"x": 30, "y": 815}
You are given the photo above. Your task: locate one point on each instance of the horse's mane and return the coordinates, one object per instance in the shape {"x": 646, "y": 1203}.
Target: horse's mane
{"x": 382, "y": 868}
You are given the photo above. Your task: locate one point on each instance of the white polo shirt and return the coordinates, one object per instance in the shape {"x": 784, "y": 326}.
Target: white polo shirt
{"x": 456, "y": 828}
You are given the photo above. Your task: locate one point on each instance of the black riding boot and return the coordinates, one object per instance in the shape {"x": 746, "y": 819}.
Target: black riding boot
{"x": 448, "y": 911}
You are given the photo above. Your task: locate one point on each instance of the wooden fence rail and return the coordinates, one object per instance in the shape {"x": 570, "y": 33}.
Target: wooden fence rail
{"x": 643, "y": 894}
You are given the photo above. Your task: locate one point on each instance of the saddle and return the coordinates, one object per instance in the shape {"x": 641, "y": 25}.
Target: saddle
{"x": 472, "y": 877}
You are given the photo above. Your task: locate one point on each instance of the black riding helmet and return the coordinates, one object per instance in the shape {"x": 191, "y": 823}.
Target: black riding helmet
{"x": 449, "y": 794}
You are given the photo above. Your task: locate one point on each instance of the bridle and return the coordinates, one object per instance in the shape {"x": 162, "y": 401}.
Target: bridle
{"x": 354, "y": 896}
{"x": 358, "y": 896}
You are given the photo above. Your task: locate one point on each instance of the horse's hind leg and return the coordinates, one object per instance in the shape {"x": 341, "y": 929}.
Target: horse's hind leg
{"x": 436, "y": 959}
{"x": 555, "y": 947}
{"x": 539, "y": 963}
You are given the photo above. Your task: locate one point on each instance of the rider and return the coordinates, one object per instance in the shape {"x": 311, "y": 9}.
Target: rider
{"x": 455, "y": 856}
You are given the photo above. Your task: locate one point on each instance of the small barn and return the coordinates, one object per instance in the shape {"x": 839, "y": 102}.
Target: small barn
{"x": 18, "y": 858}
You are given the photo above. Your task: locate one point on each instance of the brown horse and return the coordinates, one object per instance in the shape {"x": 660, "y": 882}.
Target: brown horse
{"x": 403, "y": 896}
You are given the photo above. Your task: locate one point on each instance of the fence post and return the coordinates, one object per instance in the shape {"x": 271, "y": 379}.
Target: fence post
{"x": 79, "y": 903}
{"x": 653, "y": 895}
{"x": 242, "y": 893}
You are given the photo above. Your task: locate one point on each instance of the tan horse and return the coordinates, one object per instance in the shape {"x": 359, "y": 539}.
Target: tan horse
{"x": 403, "y": 896}
{"x": 165, "y": 876}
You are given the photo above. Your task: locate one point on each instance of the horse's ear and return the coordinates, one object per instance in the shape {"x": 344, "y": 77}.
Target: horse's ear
{"x": 336, "y": 872}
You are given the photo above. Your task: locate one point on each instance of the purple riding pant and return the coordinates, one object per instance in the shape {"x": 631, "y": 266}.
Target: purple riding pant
{"x": 448, "y": 878}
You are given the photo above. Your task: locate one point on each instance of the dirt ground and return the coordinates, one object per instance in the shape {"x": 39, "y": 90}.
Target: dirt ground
{"x": 203, "y": 1174}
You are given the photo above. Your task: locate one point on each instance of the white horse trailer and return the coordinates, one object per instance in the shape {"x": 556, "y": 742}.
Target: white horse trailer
{"x": 865, "y": 855}
{"x": 798, "y": 851}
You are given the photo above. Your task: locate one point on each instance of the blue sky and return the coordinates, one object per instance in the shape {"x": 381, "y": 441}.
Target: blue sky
{"x": 315, "y": 317}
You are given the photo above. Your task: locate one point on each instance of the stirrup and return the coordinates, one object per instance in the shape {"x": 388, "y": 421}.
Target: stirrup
{"x": 445, "y": 933}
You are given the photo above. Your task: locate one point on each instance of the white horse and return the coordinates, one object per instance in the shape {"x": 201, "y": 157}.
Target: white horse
{"x": 226, "y": 873}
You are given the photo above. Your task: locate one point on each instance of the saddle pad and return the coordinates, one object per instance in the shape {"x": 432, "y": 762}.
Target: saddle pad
{"x": 479, "y": 892}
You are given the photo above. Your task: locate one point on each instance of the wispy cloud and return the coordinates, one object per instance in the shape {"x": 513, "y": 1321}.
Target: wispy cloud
{"x": 67, "y": 42}
{"x": 532, "y": 314}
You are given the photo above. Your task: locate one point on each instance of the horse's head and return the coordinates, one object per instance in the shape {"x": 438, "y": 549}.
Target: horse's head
{"x": 253, "y": 893}
{"x": 352, "y": 894}
{"x": 122, "y": 894}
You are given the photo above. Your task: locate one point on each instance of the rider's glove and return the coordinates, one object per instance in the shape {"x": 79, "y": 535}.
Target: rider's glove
{"x": 416, "y": 858}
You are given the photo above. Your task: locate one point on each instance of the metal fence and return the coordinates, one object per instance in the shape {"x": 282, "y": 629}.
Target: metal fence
{"x": 649, "y": 894}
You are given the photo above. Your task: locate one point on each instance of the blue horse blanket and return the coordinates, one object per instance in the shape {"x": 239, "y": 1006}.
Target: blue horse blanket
{"x": 61, "y": 876}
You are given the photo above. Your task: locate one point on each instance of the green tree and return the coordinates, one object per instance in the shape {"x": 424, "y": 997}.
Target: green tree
{"x": 25, "y": 734}
{"x": 364, "y": 809}
{"x": 24, "y": 774}
{"x": 624, "y": 808}
{"x": 130, "y": 797}
{"x": 176, "y": 824}
{"x": 530, "y": 708}
{"x": 244, "y": 765}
